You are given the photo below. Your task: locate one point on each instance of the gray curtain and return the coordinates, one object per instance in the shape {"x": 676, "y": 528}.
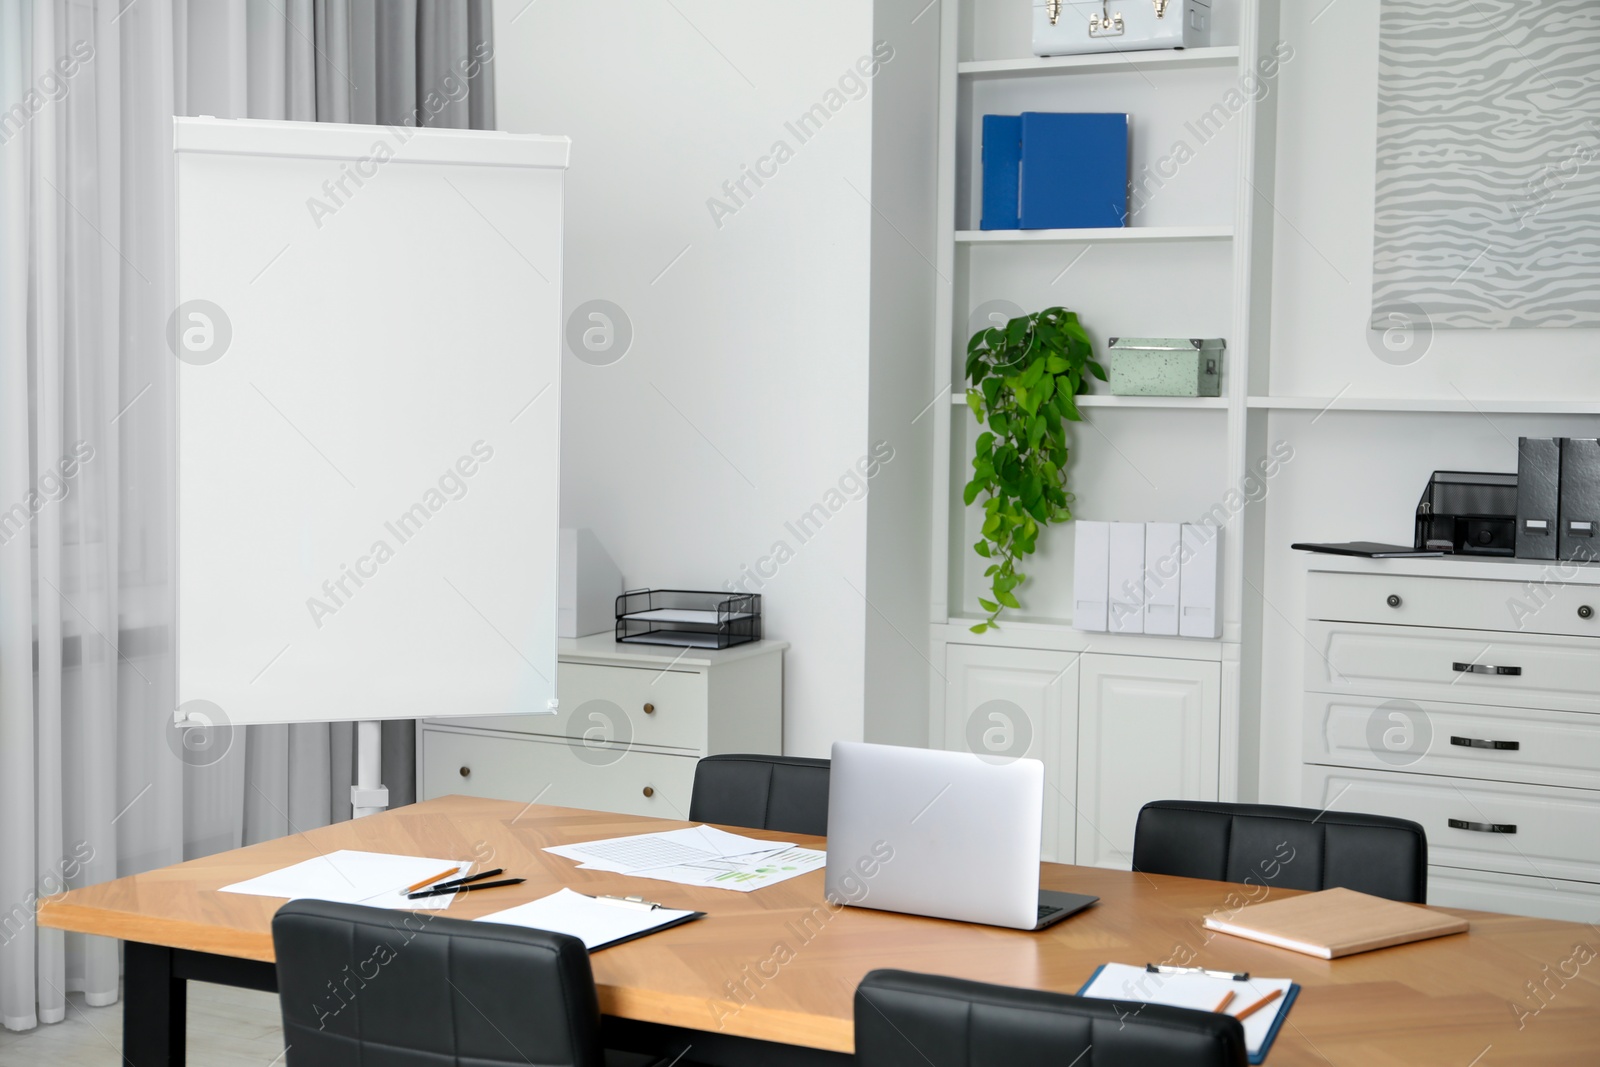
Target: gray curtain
{"x": 384, "y": 62}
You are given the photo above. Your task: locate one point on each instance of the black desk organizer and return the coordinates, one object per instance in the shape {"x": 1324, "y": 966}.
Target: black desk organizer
{"x": 688, "y": 618}
{"x": 1475, "y": 512}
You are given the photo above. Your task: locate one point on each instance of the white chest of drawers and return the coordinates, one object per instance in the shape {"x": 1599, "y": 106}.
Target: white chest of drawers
{"x": 634, "y": 721}
{"x": 1465, "y": 695}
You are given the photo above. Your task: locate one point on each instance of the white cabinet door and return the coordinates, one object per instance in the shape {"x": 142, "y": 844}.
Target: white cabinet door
{"x": 1005, "y": 703}
{"x": 1147, "y": 730}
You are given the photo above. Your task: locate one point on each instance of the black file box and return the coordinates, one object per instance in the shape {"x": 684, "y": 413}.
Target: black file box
{"x": 1580, "y": 499}
{"x": 1538, "y": 496}
{"x": 1473, "y": 511}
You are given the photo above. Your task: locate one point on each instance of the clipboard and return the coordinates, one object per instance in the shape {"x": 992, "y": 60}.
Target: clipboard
{"x": 669, "y": 924}
{"x": 1257, "y": 1051}
{"x": 597, "y": 923}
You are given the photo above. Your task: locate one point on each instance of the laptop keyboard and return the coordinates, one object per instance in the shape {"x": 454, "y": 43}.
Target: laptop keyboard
{"x": 1047, "y": 910}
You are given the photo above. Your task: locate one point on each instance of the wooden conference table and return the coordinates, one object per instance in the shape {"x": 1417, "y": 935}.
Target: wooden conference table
{"x": 769, "y": 976}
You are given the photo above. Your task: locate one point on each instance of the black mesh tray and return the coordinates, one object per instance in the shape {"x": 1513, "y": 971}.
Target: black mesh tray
{"x": 688, "y": 618}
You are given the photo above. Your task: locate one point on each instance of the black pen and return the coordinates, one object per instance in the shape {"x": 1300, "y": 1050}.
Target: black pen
{"x": 480, "y": 876}
{"x": 464, "y": 888}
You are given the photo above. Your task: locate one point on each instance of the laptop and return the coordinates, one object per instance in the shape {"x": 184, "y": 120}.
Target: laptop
{"x": 950, "y": 835}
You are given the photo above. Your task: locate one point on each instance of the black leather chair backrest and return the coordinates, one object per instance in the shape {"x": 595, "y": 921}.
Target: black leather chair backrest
{"x": 1291, "y": 848}
{"x": 924, "y": 1020}
{"x": 784, "y": 793}
{"x": 383, "y": 988}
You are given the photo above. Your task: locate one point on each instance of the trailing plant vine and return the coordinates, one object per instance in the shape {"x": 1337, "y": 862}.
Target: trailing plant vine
{"x": 1022, "y": 379}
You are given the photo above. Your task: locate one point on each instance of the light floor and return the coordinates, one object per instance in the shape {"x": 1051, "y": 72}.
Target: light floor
{"x": 227, "y": 1028}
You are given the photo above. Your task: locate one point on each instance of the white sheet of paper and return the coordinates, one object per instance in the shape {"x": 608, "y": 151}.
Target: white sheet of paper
{"x": 1125, "y": 982}
{"x": 592, "y": 921}
{"x": 684, "y": 615}
{"x": 376, "y": 879}
{"x": 669, "y": 848}
{"x": 742, "y": 873}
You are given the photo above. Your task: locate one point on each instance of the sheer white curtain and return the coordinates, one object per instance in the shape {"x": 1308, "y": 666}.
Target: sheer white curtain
{"x": 95, "y": 782}
{"x": 89, "y": 788}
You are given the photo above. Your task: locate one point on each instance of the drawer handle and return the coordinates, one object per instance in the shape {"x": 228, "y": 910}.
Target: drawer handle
{"x": 1393, "y": 600}
{"x": 1585, "y": 611}
{"x": 466, "y": 772}
{"x": 1484, "y": 827}
{"x": 1478, "y": 742}
{"x": 1483, "y": 668}
{"x": 649, "y": 791}
{"x": 649, "y": 709}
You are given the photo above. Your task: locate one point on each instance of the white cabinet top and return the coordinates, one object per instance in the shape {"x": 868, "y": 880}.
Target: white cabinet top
{"x": 604, "y": 648}
{"x": 1500, "y": 568}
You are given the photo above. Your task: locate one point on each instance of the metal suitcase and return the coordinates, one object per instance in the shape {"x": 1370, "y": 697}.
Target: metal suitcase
{"x": 1076, "y": 27}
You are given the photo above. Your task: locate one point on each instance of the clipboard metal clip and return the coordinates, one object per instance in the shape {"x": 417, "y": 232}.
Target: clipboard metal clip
{"x": 1161, "y": 968}
{"x": 637, "y": 903}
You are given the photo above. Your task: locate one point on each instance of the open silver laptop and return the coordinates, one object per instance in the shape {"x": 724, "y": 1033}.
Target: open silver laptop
{"x": 946, "y": 834}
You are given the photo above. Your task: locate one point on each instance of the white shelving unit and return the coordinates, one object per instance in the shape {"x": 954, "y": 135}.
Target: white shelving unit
{"x": 1106, "y": 400}
{"x": 1128, "y": 233}
{"x": 1187, "y": 265}
{"x": 1217, "y": 56}
{"x": 1426, "y": 405}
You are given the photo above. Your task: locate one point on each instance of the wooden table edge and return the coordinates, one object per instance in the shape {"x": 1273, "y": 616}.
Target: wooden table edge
{"x": 747, "y": 1020}
{"x": 154, "y": 930}
{"x": 640, "y": 1004}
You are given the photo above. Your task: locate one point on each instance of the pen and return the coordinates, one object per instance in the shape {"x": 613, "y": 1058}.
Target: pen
{"x": 1227, "y": 998}
{"x": 438, "y": 892}
{"x": 1258, "y": 1005}
{"x": 480, "y": 876}
{"x": 430, "y": 881}
{"x": 1161, "y": 968}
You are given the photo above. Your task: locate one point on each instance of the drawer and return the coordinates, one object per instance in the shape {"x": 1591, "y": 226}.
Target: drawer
{"x": 1431, "y": 737}
{"x": 1514, "y": 894}
{"x": 1549, "y": 607}
{"x": 1561, "y": 673}
{"x": 557, "y": 772}
{"x": 1557, "y": 831}
{"x": 633, "y": 705}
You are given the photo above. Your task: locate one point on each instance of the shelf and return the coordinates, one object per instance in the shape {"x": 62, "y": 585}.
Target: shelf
{"x": 1427, "y": 405}
{"x": 1103, "y": 400}
{"x": 1058, "y": 635}
{"x": 1101, "y": 63}
{"x": 1106, "y": 233}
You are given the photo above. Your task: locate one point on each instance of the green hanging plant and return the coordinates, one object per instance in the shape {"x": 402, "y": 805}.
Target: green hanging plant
{"x": 1022, "y": 379}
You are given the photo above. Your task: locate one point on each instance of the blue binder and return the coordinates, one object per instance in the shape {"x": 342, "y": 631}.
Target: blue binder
{"x": 1002, "y": 157}
{"x": 1074, "y": 170}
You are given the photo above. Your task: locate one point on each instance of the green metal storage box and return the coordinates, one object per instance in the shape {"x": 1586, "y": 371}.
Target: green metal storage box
{"x": 1166, "y": 366}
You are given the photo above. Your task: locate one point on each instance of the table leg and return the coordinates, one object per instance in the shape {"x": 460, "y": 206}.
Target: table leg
{"x": 154, "y": 1003}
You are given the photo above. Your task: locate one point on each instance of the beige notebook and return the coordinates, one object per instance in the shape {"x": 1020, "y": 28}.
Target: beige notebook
{"x": 1335, "y": 922}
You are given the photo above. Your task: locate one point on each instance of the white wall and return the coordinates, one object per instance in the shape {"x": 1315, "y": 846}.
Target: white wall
{"x": 744, "y": 398}
{"x": 902, "y": 391}
{"x": 1358, "y": 475}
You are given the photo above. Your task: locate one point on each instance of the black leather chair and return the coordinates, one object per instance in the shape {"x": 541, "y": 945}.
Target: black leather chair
{"x": 924, "y": 1020}
{"x": 1295, "y": 848}
{"x": 401, "y": 989}
{"x": 784, "y": 793}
